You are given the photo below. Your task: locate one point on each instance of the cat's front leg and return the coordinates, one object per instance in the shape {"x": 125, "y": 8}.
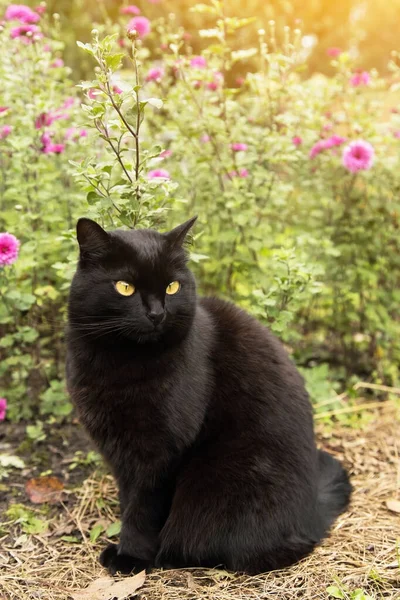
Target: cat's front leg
{"x": 144, "y": 512}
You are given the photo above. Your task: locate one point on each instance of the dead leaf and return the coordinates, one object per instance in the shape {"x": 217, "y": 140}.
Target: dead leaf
{"x": 393, "y": 505}
{"x": 106, "y": 588}
{"x": 44, "y": 489}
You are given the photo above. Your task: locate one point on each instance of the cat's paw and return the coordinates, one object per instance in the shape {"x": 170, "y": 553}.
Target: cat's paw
{"x": 121, "y": 563}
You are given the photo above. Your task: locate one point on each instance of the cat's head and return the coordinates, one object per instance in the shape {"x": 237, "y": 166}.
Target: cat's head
{"x": 132, "y": 285}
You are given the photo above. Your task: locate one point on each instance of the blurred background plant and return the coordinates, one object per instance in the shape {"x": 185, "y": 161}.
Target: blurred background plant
{"x": 284, "y": 140}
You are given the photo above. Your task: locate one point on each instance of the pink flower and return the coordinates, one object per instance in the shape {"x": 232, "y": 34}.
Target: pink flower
{"x": 93, "y": 93}
{"x": 130, "y": 10}
{"x": 74, "y": 133}
{"x": 26, "y": 31}
{"x": 321, "y": 145}
{"x": 3, "y": 408}
{"x": 53, "y": 148}
{"x": 68, "y": 102}
{"x": 397, "y": 134}
{"x": 358, "y": 156}
{"x": 205, "y": 138}
{"x": 165, "y": 153}
{"x": 46, "y": 119}
{"x": 5, "y": 131}
{"x": 360, "y": 79}
{"x": 297, "y": 140}
{"x": 22, "y": 13}
{"x": 57, "y": 63}
{"x": 46, "y": 138}
{"x": 40, "y": 9}
{"x": 141, "y": 25}
{"x": 335, "y": 140}
{"x": 243, "y": 173}
{"x": 117, "y": 89}
{"x": 9, "y": 248}
{"x": 155, "y": 74}
{"x": 198, "y": 62}
{"x": 239, "y": 147}
{"x": 3, "y": 109}
{"x": 217, "y": 81}
{"x": 158, "y": 174}
{"x": 240, "y": 81}
{"x": 334, "y": 52}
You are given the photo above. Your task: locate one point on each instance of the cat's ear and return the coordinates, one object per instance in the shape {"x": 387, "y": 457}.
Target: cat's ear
{"x": 92, "y": 238}
{"x": 177, "y": 236}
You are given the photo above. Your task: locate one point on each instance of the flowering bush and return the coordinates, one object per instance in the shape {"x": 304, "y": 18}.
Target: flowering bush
{"x": 295, "y": 182}
{"x": 39, "y": 132}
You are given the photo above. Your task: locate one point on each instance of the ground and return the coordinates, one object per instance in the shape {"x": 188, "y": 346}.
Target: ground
{"x": 362, "y": 552}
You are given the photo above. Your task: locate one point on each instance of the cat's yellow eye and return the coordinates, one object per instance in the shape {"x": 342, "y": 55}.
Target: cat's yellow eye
{"x": 173, "y": 288}
{"x": 124, "y": 288}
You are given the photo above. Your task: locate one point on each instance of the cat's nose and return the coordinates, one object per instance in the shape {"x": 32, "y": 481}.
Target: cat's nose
{"x": 155, "y": 317}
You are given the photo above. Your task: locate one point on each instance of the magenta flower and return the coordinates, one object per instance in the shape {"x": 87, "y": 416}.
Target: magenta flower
{"x": 117, "y": 89}
{"x": 9, "y": 248}
{"x": 93, "y": 93}
{"x": 3, "y": 109}
{"x": 26, "y": 31}
{"x": 360, "y": 79}
{"x": 40, "y": 9}
{"x": 198, "y": 62}
{"x": 68, "y": 102}
{"x": 239, "y": 147}
{"x": 334, "y": 52}
{"x": 46, "y": 119}
{"x": 130, "y": 10}
{"x": 217, "y": 81}
{"x": 243, "y": 173}
{"x": 141, "y": 25}
{"x": 158, "y": 174}
{"x": 155, "y": 74}
{"x": 165, "y": 153}
{"x": 297, "y": 140}
{"x": 53, "y": 148}
{"x": 3, "y": 408}
{"x": 321, "y": 145}
{"x": 22, "y": 13}
{"x": 5, "y": 131}
{"x": 74, "y": 133}
{"x": 56, "y": 64}
{"x": 358, "y": 156}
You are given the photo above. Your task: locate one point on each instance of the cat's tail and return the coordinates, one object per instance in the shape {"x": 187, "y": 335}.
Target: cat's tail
{"x": 334, "y": 488}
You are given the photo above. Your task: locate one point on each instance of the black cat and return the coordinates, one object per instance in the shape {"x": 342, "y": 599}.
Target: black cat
{"x": 198, "y": 410}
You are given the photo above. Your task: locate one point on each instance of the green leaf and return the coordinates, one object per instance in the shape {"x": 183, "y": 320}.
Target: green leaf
{"x": 334, "y": 591}
{"x": 70, "y": 539}
{"x": 96, "y": 531}
{"x": 156, "y": 102}
{"x": 10, "y": 461}
{"x": 113, "y": 529}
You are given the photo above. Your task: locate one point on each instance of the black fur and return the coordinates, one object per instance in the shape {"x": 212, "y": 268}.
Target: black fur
{"x": 203, "y": 419}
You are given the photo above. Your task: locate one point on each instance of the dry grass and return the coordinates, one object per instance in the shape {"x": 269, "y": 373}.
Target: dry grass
{"x": 363, "y": 550}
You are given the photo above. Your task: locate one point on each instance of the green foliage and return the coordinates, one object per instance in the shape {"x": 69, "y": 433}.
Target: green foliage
{"x": 8, "y": 462}
{"x": 30, "y": 523}
{"x": 334, "y": 591}
{"x": 309, "y": 248}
